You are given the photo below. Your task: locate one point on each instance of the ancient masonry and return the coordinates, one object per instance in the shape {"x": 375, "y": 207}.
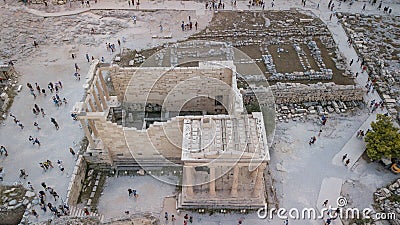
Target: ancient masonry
{"x": 385, "y": 201}
{"x": 376, "y": 40}
{"x": 298, "y": 93}
{"x": 224, "y": 153}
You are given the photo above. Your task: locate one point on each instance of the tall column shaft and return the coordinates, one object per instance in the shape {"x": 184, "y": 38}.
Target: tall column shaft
{"x": 188, "y": 170}
{"x": 87, "y": 133}
{"x": 93, "y": 128}
{"x": 258, "y": 184}
{"x": 103, "y": 84}
{"x": 101, "y": 94}
{"x": 92, "y": 105}
{"x": 235, "y": 181}
{"x": 96, "y": 100}
{"x": 212, "y": 181}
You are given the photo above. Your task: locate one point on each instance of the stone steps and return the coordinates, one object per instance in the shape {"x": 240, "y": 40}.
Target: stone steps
{"x": 129, "y": 164}
{"x": 77, "y": 212}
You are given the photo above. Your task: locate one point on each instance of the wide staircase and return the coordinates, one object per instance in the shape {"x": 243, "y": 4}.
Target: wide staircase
{"x": 149, "y": 163}
{"x": 78, "y": 212}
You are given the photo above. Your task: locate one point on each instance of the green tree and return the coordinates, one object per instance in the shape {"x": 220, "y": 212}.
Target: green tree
{"x": 383, "y": 140}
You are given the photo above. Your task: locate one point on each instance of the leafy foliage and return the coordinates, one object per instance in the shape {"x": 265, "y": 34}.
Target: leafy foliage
{"x": 383, "y": 140}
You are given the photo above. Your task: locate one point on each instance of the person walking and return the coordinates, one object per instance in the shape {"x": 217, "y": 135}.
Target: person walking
{"x": 29, "y": 186}
{"x": 23, "y": 174}
{"x": 1, "y": 173}
{"x": 55, "y": 123}
{"x": 347, "y": 162}
{"x": 36, "y": 125}
{"x": 72, "y": 151}
{"x": 325, "y": 203}
{"x": 344, "y": 157}
{"x": 34, "y": 213}
{"x": 36, "y": 141}
{"x": 166, "y": 216}
{"x": 42, "y": 111}
{"x": 3, "y": 150}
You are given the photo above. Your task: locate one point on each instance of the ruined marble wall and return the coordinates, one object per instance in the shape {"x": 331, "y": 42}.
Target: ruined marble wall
{"x": 76, "y": 183}
{"x": 112, "y": 136}
{"x": 172, "y": 88}
{"x": 297, "y": 93}
{"x": 120, "y": 79}
{"x": 163, "y": 139}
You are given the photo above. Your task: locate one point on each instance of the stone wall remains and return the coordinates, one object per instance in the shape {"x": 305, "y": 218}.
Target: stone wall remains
{"x": 298, "y": 93}
{"x": 167, "y": 87}
{"x": 163, "y": 139}
{"x": 76, "y": 183}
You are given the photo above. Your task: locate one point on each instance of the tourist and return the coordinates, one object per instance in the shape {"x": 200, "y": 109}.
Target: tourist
{"x": 166, "y": 216}
{"x": 72, "y": 152}
{"x": 328, "y": 221}
{"x": 60, "y": 166}
{"x": 34, "y": 213}
{"x": 347, "y": 162}
{"x": 29, "y": 186}
{"x": 344, "y": 157}
{"x": 3, "y": 150}
{"x": 43, "y": 207}
{"x": 325, "y": 203}
{"x": 55, "y": 195}
{"x": 36, "y": 125}
{"x": 44, "y": 185}
{"x": 1, "y": 173}
{"x": 20, "y": 125}
{"x": 55, "y": 123}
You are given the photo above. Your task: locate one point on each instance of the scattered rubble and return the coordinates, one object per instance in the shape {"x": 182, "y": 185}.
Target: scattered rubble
{"x": 387, "y": 199}
{"x": 15, "y": 204}
{"x": 376, "y": 40}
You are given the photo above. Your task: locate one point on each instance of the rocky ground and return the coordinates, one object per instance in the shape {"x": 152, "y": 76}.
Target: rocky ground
{"x": 376, "y": 39}
{"x": 387, "y": 199}
{"x": 13, "y": 203}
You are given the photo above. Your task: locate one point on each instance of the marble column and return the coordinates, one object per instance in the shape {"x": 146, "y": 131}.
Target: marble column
{"x": 259, "y": 179}
{"x": 188, "y": 170}
{"x": 92, "y": 105}
{"x": 212, "y": 181}
{"x": 93, "y": 127}
{"x": 103, "y": 84}
{"x": 235, "y": 182}
{"x": 87, "y": 133}
{"x": 96, "y": 100}
{"x": 101, "y": 94}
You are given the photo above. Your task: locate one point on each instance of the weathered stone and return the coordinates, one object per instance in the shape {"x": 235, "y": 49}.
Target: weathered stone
{"x": 30, "y": 194}
{"x": 12, "y": 202}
